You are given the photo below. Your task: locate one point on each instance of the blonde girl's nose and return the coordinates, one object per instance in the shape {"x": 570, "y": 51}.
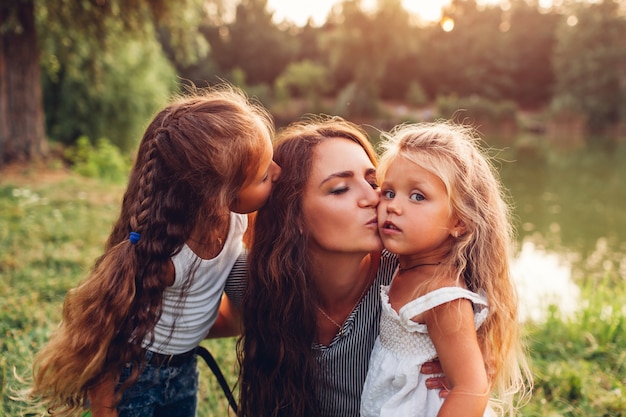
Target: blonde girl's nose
{"x": 392, "y": 206}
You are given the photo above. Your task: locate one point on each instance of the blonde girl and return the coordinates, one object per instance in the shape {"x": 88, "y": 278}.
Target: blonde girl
{"x": 443, "y": 213}
{"x": 135, "y": 321}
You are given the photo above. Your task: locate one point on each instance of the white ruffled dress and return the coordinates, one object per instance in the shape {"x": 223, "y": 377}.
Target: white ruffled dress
{"x": 394, "y": 386}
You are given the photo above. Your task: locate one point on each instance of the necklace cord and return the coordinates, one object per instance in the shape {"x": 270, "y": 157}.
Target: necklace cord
{"x": 417, "y": 266}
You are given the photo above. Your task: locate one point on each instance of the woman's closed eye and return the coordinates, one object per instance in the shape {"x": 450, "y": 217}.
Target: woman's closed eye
{"x": 339, "y": 190}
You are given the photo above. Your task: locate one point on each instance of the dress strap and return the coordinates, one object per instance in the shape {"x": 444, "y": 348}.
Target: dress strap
{"x": 438, "y": 297}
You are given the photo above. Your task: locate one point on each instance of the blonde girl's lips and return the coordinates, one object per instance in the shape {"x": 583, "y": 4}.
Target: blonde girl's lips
{"x": 389, "y": 228}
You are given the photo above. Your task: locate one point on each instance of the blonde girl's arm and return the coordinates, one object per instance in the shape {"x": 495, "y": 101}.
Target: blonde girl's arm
{"x": 102, "y": 398}
{"x": 451, "y": 328}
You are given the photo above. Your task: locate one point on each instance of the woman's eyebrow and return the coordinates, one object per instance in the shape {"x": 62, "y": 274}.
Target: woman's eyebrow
{"x": 342, "y": 174}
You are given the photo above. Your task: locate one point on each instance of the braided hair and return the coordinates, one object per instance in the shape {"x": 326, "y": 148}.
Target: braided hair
{"x": 193, "y": 159}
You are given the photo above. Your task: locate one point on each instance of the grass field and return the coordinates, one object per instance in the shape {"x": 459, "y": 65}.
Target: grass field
{"x": 53, "y": 225}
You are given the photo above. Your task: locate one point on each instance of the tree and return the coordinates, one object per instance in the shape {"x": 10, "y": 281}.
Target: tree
{"x": 360, "y": 46}
{"x": 22, "y": 135}
{"x": 531, "y": 42}
{"x": 590, "y": 63}
{"x": 251, "y": 43}
{"x": 21, "y": 112}
{"x": 305, "y": 79}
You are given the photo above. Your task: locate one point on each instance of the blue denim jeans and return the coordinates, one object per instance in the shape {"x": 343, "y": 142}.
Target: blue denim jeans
{"x": 168, "y": 391}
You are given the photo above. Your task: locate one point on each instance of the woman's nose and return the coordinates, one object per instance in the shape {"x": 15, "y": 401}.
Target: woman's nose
{"x": 370, "y": 198}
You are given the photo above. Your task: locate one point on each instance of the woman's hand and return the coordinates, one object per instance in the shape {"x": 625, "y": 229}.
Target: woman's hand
{"x": 436, "y": 382}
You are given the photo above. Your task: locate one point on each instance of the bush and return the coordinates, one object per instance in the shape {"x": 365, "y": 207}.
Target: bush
{"x": 357, "y": 101}
{"x": 131, "y": 83}
{"x": 104, "y": 161}
{"x": 416, "y": 94}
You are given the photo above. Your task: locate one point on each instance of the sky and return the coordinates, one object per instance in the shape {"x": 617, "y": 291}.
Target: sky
{"x": 298, "y": 11}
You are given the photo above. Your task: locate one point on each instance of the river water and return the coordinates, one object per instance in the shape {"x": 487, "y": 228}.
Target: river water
{"x": 570, "y": 221}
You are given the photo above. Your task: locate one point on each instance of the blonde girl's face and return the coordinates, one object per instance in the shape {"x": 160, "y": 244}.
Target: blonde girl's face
{"x": 258, "y": 187}
{"x": 340, "y": 198}
{"x": 414, "y": 214}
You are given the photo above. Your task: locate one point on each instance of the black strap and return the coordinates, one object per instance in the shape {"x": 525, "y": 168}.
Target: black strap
{"x": 210, "y": 360}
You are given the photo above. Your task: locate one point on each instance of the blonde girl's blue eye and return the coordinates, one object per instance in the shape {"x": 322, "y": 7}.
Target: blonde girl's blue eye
{"x": 417, "y": 197}
{"x": 388, "y": 194}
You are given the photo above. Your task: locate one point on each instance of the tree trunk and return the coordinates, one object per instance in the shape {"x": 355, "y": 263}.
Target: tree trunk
{"x": 22, "y": 136}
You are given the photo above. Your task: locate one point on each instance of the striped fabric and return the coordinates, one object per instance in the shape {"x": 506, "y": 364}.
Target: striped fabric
{"x": 344, "y": 362}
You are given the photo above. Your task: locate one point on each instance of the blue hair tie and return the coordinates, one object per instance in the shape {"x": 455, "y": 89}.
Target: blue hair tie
{"x": 134, "y": 237}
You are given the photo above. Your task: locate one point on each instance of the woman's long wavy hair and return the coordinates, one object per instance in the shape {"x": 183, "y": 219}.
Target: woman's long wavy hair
{"x": 192, "y": 161}
{"x": 481, "y": 255}
{"x": 278, "y": 370}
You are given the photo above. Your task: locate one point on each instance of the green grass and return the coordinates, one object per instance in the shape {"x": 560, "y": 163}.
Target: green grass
{"x": 52, "y": 230}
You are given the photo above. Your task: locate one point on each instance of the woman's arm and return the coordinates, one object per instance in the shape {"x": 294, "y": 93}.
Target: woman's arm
{"x": 451, "y": 328}
{"x": 228, "y": 322}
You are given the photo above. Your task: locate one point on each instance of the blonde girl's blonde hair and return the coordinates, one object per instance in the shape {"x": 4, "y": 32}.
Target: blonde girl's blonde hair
{"x": 482, "y": 254}
{"x": 193, "y": 159}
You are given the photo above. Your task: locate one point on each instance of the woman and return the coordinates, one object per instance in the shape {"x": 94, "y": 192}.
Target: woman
{"x": 311, "y": 309}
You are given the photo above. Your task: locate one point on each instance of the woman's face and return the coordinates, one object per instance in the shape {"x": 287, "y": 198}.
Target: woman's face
{"x": 340, "y": 199}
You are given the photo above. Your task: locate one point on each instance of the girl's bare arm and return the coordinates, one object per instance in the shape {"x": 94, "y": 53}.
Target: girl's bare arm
{"x": 451, "y": 328}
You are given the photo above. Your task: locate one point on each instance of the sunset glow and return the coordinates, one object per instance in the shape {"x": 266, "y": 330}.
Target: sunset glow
{"x": 299, "y": 12}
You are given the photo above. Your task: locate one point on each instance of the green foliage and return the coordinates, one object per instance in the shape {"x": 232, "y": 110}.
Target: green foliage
{"x": 104, "y": 161}
{"x": 49, "y": 235}
{"x": 589, "y": 62}
{"x": 76, "y": 27}
{"x": 529, "y": 42}
{"x": 579, "y": 362}
{"x": 416, "y": 94}
{"x": 476, "y": 110}
{"x": 116, "y": 105}
{"x": 356, "y": 101}
{"x": 252, "y": 42}
{"x": 304, "y": 79}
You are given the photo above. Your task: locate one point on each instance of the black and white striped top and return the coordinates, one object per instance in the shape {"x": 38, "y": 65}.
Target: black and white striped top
{"x": 346, "y": 359}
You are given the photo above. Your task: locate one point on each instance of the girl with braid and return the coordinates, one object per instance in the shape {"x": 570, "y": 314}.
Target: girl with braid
{"x": 129, "y": 330}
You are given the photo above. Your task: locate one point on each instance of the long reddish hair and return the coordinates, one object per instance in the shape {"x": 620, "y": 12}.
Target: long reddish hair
{"x": 278, "y": 370}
